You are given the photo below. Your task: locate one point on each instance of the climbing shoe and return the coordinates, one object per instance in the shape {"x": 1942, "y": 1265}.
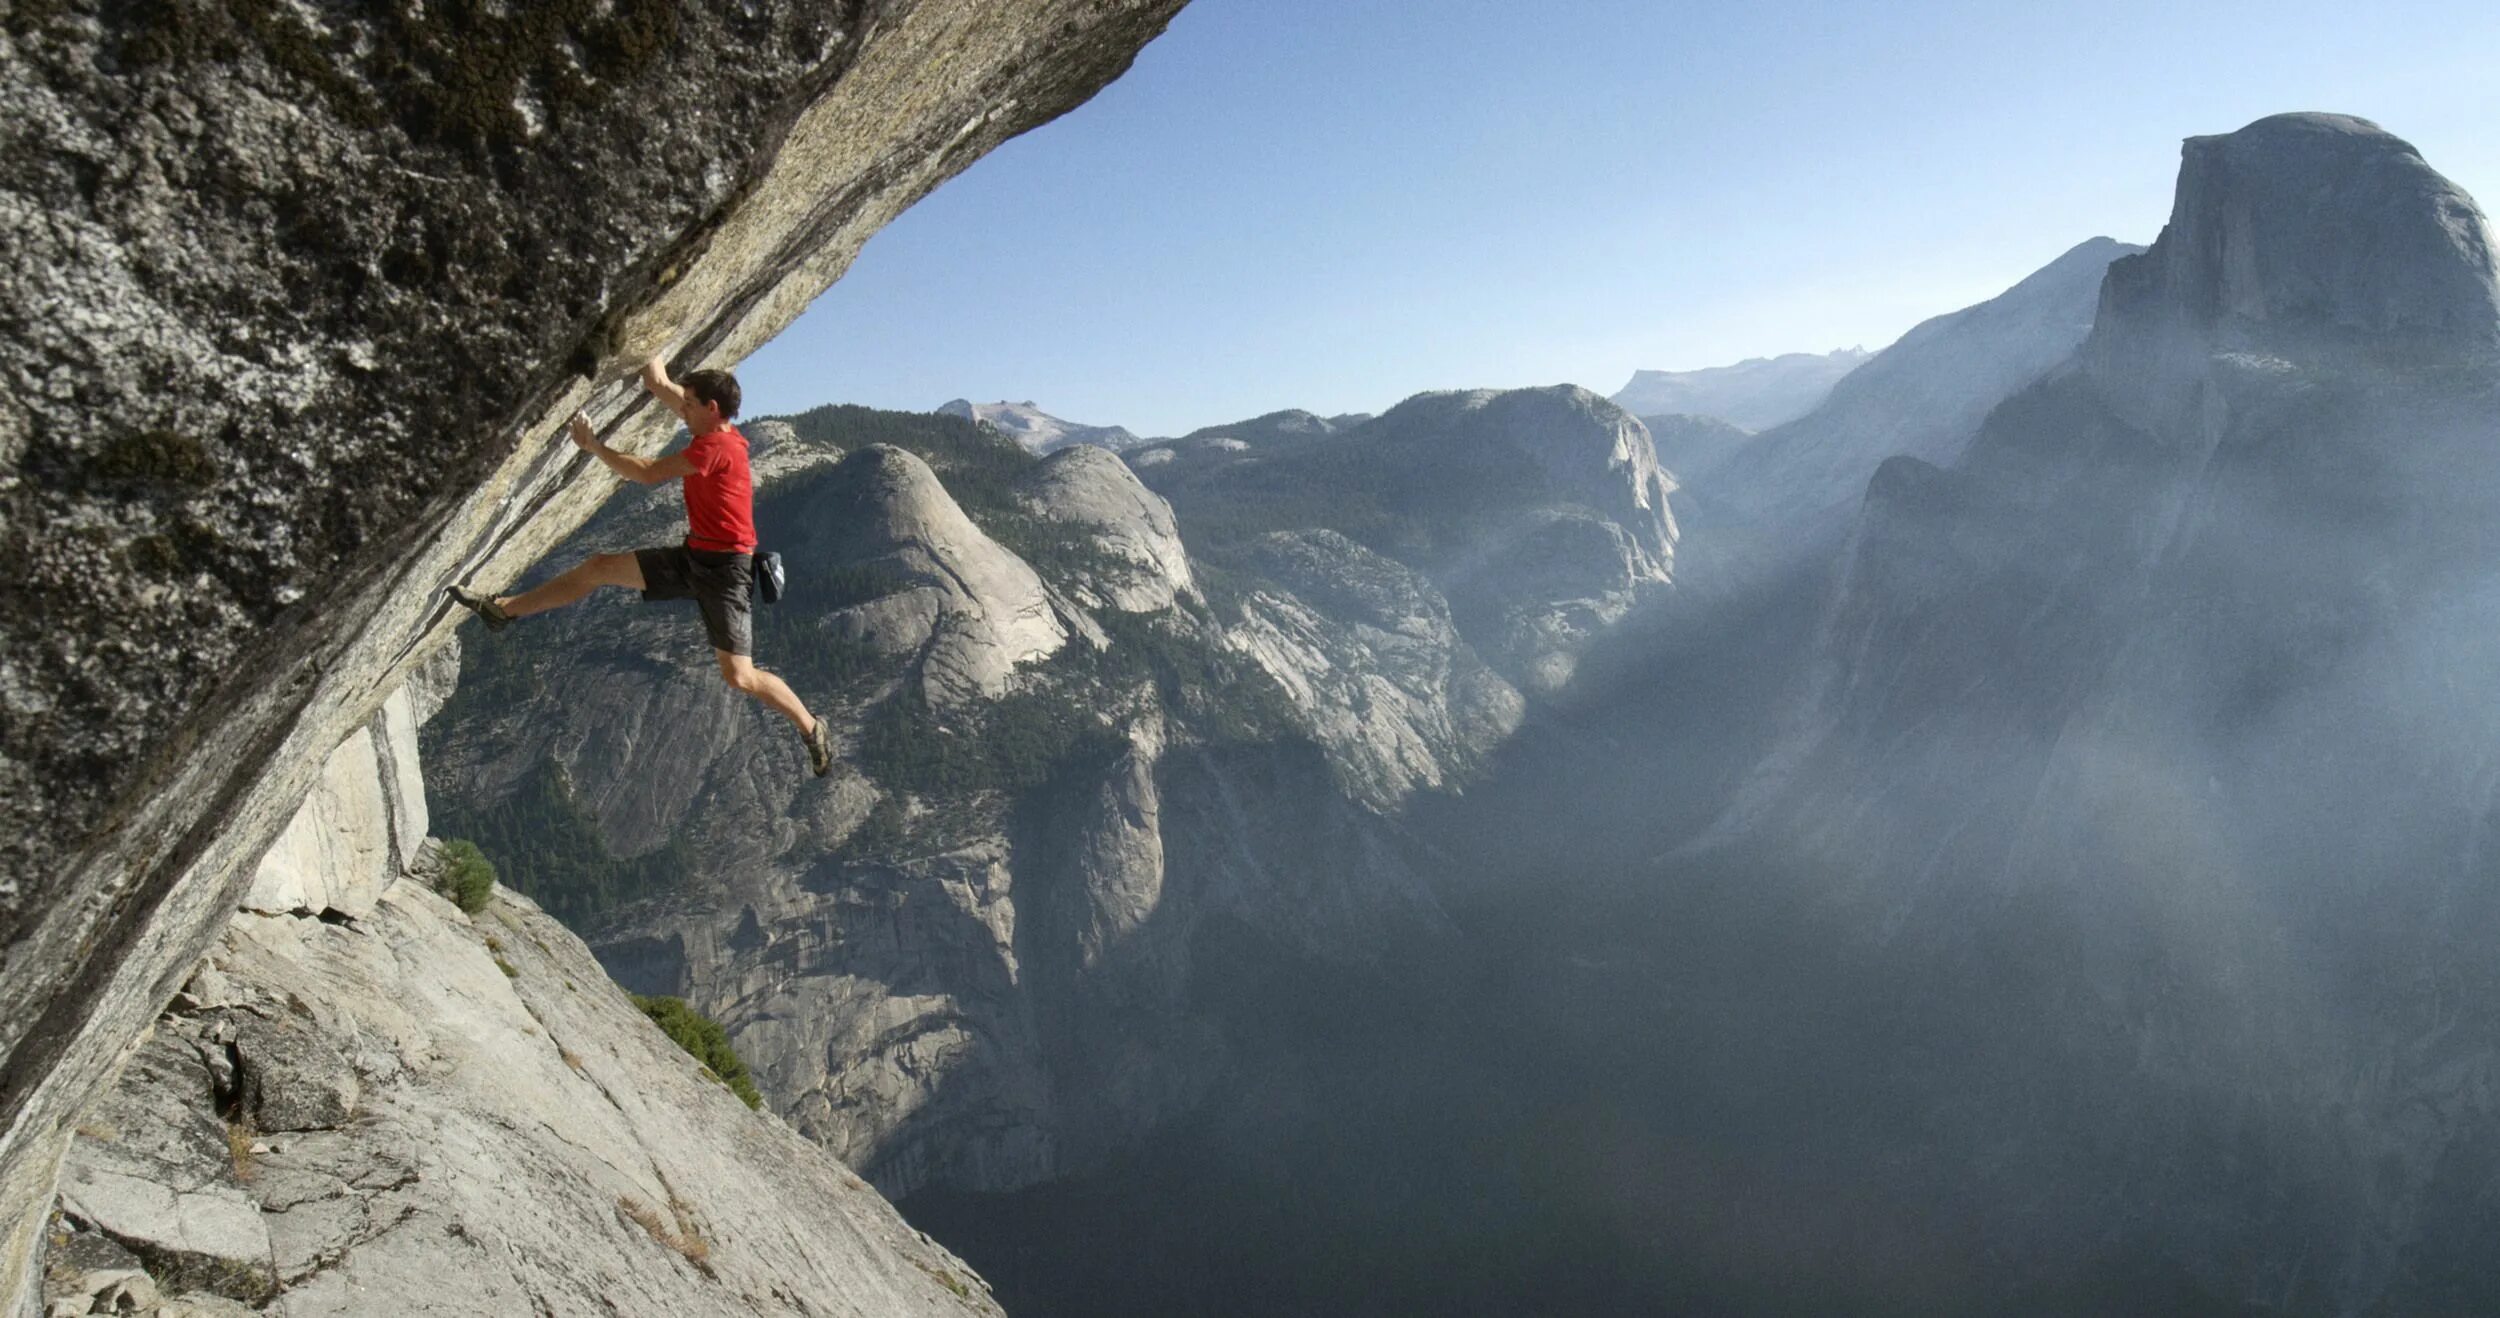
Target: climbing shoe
{"x": 484, "y": 606}
{"x": 820, "y": 749}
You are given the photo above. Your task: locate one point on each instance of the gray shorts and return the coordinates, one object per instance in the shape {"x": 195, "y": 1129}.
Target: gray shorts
{"x": 722, "y": 585}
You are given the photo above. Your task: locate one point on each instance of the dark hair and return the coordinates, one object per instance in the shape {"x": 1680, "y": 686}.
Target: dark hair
{"x": 714, "y": 387}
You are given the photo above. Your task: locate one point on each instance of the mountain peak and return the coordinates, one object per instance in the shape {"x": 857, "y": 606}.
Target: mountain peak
{"x": 1588, "y": 450}
{"x": 2310, "y": 124}
{"x": 1038, "y": 431}
{"x": 2302, "y": 229}
{"x": 1288, "y": 423}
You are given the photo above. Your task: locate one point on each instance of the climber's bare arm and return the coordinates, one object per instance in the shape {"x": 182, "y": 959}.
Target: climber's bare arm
{"x": 655, "y": 378}
{"x": 641, "y": 471}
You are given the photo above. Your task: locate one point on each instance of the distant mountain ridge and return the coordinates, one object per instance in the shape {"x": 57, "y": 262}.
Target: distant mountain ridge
{"x": 1756, "y": 393}
{"x": 1924, "y": 396}
{"x": 1034, "y": 429}
{"x": 1290, "y": 423}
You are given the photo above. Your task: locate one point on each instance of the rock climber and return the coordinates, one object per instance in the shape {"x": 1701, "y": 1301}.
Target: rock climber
{"x": 715, "y": 567}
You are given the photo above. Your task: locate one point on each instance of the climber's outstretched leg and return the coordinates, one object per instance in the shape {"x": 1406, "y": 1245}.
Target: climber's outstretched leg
{"x": 579, "y": 580}
{"x": 740, "y": 671}
{"x": 590, "y": 574}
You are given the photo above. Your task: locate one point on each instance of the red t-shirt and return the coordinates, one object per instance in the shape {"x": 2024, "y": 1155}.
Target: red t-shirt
{"x": 720, "y": 495}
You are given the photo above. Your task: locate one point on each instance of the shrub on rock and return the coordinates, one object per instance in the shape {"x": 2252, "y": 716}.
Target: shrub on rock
{"x": 704, "y": 1038}
{"x": 468, "y": 876}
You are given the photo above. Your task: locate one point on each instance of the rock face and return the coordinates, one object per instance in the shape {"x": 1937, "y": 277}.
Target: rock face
{"x": 450, "y": 1114}
{"x": 1365, "y": 645}
{"x": 1095, "y": 493}
{"x": 1755, "y": 394}
{"x": 1036, "y": 430}
{"x": 966, "y": 611}
{"x": 1541, "y": 578}
{"x": 295, "y": 287}
{"x": 2303, "y": 222}
{"x": 1540, "y": 513}
{"x": 349, "y": 840}
{"x": 2298, "y": 234}
{"x": 2148, "y": 714}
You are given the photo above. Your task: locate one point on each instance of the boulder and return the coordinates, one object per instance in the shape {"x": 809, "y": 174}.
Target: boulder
{"x": 292, "y": 1078}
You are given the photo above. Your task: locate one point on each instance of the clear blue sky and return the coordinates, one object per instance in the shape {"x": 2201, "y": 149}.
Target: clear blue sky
{"x": 1333, "y": 204}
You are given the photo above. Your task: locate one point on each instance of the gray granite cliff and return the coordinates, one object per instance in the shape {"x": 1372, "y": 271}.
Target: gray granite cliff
{"x": 1087, "y": 488}
{"x": 368, "y": 1100}
{"x": 1542, "y": 515}
{"x": 2299, "y": 235}
{"x": 306, "y": 293}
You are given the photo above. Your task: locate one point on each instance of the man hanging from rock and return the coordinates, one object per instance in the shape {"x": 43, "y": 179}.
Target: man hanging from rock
{"x": 715, "y": 567}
